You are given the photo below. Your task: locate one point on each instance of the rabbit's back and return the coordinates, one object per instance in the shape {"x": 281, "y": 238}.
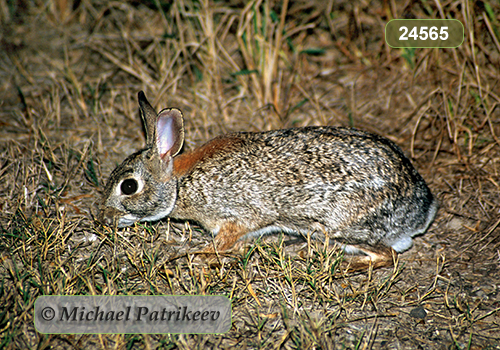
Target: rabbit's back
{"x": 354, "y": 186}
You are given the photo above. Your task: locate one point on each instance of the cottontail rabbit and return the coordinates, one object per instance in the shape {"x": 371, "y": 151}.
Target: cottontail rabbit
{"x": 354, "y": 187}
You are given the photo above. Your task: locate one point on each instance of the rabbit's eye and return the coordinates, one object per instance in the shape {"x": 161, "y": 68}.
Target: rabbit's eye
{"x": 129, "y": 186}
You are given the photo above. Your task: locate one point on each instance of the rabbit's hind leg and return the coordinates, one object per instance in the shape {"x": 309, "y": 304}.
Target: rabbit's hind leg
{"x": 374, "y": 257}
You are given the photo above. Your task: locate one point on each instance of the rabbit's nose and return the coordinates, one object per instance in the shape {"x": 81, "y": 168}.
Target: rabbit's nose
{"x": 108, "y": 217}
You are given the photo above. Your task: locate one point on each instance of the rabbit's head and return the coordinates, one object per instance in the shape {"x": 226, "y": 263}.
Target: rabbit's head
{"x": 143, "y": 187}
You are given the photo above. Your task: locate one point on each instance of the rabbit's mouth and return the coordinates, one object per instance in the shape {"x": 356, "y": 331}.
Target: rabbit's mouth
{"x": 115, "y": 218}
{"x": 127, "y": 220}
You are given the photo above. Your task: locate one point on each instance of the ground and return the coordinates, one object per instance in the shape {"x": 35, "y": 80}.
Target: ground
{"x": 69, "y": 76}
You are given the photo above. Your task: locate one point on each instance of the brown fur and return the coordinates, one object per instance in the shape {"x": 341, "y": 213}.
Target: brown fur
{"x": 228, "y": 235}
{"x": 183, "y": 163}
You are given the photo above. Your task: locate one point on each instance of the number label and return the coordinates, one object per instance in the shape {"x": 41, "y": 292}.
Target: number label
{"x": 424, "y": 33}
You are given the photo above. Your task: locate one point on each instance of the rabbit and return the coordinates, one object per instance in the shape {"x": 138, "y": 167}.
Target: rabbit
{"x": 353, "y": 187}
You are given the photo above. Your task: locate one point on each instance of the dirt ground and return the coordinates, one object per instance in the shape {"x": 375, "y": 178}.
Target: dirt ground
{"x": 70, "y": 72}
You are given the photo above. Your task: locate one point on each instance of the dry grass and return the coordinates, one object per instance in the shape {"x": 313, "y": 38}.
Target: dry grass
{"x": 69, "y": 75}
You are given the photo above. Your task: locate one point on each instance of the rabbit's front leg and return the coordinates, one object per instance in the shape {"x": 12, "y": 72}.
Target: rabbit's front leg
{"x": 227, "y": 237}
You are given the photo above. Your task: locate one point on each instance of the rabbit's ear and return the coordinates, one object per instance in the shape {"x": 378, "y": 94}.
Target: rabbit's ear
{"x": 148, "y": 115}
{"x": 170, "y": 129}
